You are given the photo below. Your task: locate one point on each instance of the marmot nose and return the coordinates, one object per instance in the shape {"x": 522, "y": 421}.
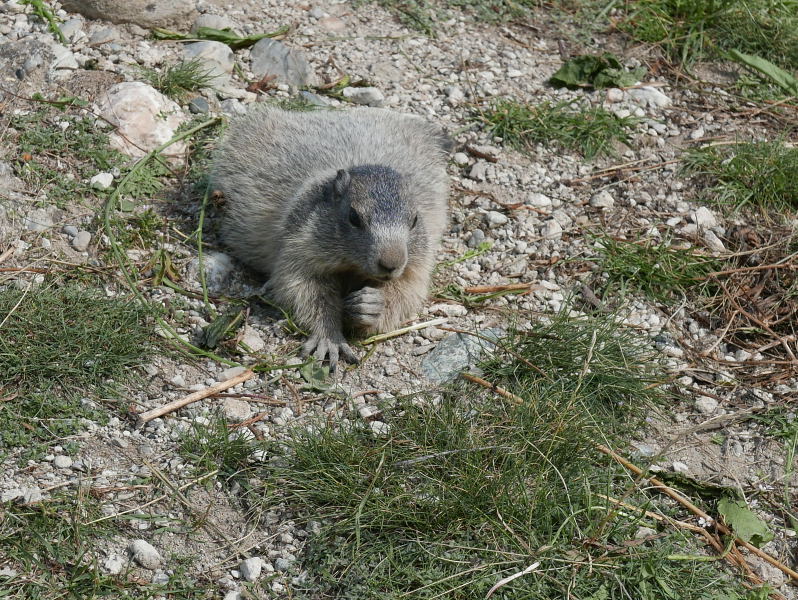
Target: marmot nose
{"x": 391, "y": 263}
{"x": 389, "y": 267}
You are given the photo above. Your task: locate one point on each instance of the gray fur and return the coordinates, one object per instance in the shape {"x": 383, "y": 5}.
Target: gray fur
{"x": 291, "y": 181}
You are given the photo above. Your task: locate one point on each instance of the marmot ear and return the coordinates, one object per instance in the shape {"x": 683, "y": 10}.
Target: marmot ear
{"x": 341, "y": 183}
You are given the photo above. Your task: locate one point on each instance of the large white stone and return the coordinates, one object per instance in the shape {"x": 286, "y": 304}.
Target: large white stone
{"x": 144, "y": 119}
{"x": 145, "y": 13}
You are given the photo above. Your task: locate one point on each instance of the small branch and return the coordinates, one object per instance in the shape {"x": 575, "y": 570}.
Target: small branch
{"x": 490, "y": 289}
{"x": 191, "y": 398}
{"x": 493, "y": 387}
{"x": 381, "y": 337}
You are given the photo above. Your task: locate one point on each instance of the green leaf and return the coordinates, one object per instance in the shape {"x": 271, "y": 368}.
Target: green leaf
{"x": 226, "y": 36}
{"x": 595, "y": 71}
{"x": 218, "y": 329}
{"x": 315, "y": 374}
{"x": 777, "y": 75}
{"x": 744, "y": 522}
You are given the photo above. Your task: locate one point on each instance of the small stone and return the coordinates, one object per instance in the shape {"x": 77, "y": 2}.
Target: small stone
{"x": 235, "y": 410}
{"x": 271, "y": 57}
{"x": 231, "y": 372}
{"x": 697, "y": 134}
{"x": 252, "y": 340}
{"x": 448, "y": 310}
{"x": 313, "y": 99}
{"x": 539, "y": 201}
{"x": 62, "y": 462}
{"x": 282, "y": 564}
{"x": 233, "y": 595}
{"x": 251, "y": 568}
{"x": 198, "y": 106}
{"x": 71, "y": 27}
{"x": 460, "y": 159}
{"x": 713, "y": 241}
{"x": 103, "y": 36}
{"x": 216, "y": 58}
{"x": 316, "y": 12}
{"x": 703, "y": 217}
{"x": 145, "y": 554}
{"x": 31, "y": 495}
{"x": 38, "y": 220}
{"x": 513, "y": 73}
{"x": 454, "y": 95}
{"x": 706, "y": 405}
{"x": 495, "y": 219}
{"x": 479, "y": 171}
{"x": 649, "y": 96}
{"x": 370, "y": 96}
{"x": 81, "y": 241}
{"x": 214, "y": 22}
{"x": 113, "y": 564}
{"x": 102, "y": 181}
{"x": 379, "y": 428}
{"x": 178, "y": 381}
{"x": 70, "y": 230}
{"x": 159, "y": 578}
{"x": 392, "y": 367}
{"x": 218, "y": 267}
{"x": 477, "y": 237}
{"x": 644, "y": 532}
{"x": 602, "y": 200}
{"x": 551, "y": 230}
{"x": 614, "y": 95}
{"x": 680, "y": 467}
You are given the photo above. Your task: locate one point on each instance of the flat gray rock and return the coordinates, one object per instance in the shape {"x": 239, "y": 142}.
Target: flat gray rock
{"x": 270, "y": 57}
{"x": 457, "y": 353}
{"x": 144, "y": 13}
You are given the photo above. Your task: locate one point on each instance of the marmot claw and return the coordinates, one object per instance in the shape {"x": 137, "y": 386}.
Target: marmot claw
{"x": 322, "y": 347}
{"x": 364, "y": 307}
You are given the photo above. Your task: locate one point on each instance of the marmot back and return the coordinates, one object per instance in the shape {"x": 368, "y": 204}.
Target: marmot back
{"x": 344, "y": 210}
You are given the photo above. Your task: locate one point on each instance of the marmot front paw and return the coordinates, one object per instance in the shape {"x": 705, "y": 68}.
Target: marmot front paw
{"x": 364, "y": 307}
{"x": 331, "y": 347}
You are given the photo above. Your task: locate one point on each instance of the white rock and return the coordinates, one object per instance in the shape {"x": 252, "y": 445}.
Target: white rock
{"x": 380, "y": 428}
{"x": 64, "y": 58}
{"x": 251, "y": 568}
{"x": 251, "y": 338}
{"x": 218, "y": 267}
{"x": 460, "y": 159}
{"x": 551, "y": 230}
{"x": 603, "y": 199}
{"x": 235, "y": 410}
{"x": 479, "y": 171}
{"x": 649, "y": 96}
{"x": 614, "y": 95}
{"x": 113, "y": 565}
{"x": 713, "y": 242}
{"x": 703, "y": 217}
{"x": 513, "y": 73}
{"x": 233, "y": 595}
{"x": 644, "y": 532}
{"x": 178, "y": 381}
{"x": 706, "y": 405}
{"x": 144, "y": 13}
{"x": 697, "y": 134}
{"x": 539, "y": 200}
{"x": 680, "y": 467}
{"x": 217, "y": 58}
{"x": 364, "y": 95}
{"x": 448, "y": 310}
{"x": 62, "y": 462}
{"x": 102, "y": 181}
{"x": 495, "y": 219}
{"x": 144, "y": 117}
{"x": 81, "y": 241}
{"x": 214, "y": 22}
{"x": 231, "y": 372}
{"x": 144, "y": 554}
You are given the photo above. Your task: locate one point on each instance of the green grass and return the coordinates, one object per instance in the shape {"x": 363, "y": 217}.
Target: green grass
{"x": 179, "y": 80}
{"x": 58, "y": 159}
{"x": 690, "y": 30}
{"x": 216, "y": 446}
{"x": 591, "y": 131}
{"x": 655, "y": 268}
{"x": 58, "y": 349}
{"x": 756, "y": 174}
{"x": 468, "y": 488}
{"x": 53, "y": 547}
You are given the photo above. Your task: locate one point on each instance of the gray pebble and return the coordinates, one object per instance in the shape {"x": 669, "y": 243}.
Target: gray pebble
{"x": 477, "y": 237}
{"x": 198, "y": 106}
{"x": 81, "y": 241}
{"x": 62, "y": 462}
{"x": 370, "y": 96}
{"x": 145, "y": 554}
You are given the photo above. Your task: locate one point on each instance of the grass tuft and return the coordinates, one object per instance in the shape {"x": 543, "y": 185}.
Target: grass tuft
{"x": 690, "y": 30}
{"x": 757, "y": 174}
{"x": 591, "y": 131}
{"x": 178, "y": 80}
{"x": 56, "y": 347}
{"x": 467, "y": 488}
{"x": 657, "y": 269}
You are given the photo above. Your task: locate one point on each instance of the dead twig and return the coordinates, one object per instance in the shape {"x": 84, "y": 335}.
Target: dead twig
{"x": 145, "y": 417}
{"x": 490, "y": 289}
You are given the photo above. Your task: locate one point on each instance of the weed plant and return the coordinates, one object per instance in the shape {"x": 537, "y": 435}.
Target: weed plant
{"x": 655, "y": 268}
{"x": 57, "y": 346}
{"x": 691, "y": 30}
{"x": 178, "y": 80}
{"x": 591, "y": 131}
{"x": 467, "y": 487}
{"x": 755, "y": 174}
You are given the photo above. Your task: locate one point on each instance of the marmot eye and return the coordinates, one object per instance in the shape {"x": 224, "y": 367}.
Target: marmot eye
{"x": 415, "y": 222}
{"x": 354, "y": 219}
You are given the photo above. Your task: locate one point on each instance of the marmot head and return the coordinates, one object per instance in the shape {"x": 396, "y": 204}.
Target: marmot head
{"x": 378, "y": 225}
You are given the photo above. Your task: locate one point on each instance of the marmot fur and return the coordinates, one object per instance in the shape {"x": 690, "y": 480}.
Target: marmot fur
{"x": 343, "y": 209}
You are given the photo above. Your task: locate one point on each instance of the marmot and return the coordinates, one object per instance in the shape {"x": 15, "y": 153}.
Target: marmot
{"x": 343, "y": 209}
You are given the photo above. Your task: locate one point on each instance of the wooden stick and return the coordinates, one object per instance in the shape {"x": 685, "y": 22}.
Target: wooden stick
{"x": 487, "y": 384}
{"x": 191, "y": 398}
{"x": 381, "y": 337}
{"x": 489, "y": 289}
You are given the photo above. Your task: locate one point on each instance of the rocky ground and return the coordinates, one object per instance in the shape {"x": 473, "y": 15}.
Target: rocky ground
{"x": 516, "y": 217}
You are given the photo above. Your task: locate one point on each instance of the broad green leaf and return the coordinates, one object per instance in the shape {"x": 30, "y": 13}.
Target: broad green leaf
{"x": 595, "y": 71}
{"x": 744, "y": 522}
{"x": 226, "y": 36}
{"x": 777, "y": 75}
